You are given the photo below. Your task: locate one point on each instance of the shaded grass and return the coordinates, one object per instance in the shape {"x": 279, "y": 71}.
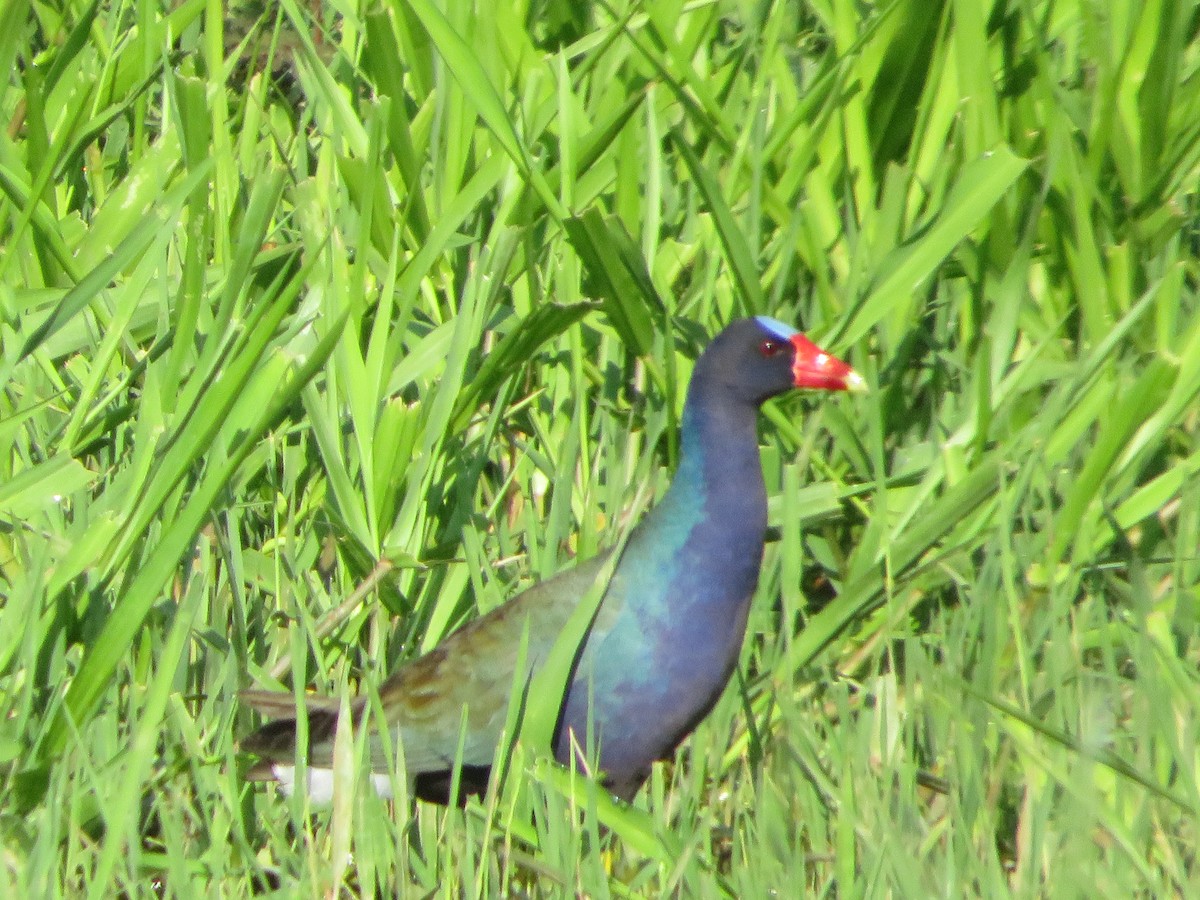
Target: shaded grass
{"x": 324, "y": 330}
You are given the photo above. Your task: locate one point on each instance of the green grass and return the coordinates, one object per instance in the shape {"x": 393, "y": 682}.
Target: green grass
{"x": 326, "y": 327}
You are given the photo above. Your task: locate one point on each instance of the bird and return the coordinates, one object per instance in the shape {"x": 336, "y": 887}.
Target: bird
{"x": 664, "y": 640}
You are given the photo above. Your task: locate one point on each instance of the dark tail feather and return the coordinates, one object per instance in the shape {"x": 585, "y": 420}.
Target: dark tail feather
{"x": 281, "y": 704}
{"x": 276, "y": 741}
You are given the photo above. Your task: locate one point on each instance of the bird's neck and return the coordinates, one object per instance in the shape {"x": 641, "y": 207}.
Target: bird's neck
{"x": 714, "y": 515}
{"x": 719, "y": 463}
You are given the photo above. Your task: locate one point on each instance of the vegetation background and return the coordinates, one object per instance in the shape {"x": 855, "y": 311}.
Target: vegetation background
{"x": 326, "y": 326}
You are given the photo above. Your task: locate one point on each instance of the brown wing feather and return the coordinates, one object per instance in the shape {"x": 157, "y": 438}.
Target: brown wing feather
{"x": 474, "y": 669}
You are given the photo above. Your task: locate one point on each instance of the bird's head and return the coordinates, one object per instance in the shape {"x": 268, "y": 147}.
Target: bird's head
{"x": 760, "y": 357}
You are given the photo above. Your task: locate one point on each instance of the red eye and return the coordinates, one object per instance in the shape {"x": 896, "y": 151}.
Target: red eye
{"x": 771, "y": 347}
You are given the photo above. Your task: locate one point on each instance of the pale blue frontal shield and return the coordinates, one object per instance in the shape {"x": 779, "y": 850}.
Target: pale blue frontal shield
{"x": 780, "y": 329}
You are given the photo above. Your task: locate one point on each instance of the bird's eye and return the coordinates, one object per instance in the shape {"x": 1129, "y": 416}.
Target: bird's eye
{"x": 771, "y": 347}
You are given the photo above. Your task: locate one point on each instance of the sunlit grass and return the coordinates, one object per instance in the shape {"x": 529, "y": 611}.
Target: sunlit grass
{"x": 325, "y": 328}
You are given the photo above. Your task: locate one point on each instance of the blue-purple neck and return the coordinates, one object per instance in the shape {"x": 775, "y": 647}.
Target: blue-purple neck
{"x": 719, "y": 460}
{"x": 713, "y": 519}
